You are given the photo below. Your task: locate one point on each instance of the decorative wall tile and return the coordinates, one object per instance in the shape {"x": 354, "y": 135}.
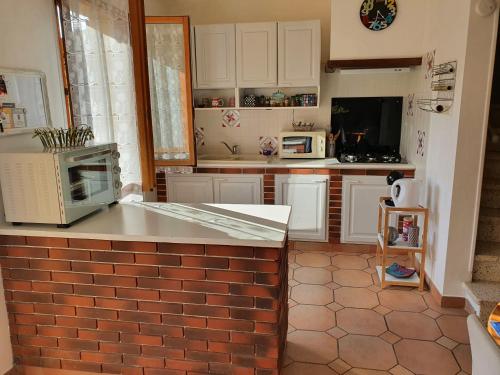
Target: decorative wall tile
{"x": 268, "y": 145}
{"x": 420, "y": 143}
{"x": 429, "y": 63}
{"x": 411, "y": 103}
{"x": 199, "y": 134}
{"x": 231, "y": 119}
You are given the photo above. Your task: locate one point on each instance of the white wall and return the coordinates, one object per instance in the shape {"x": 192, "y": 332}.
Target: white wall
{"x": 28, "y": 40}
{"x": 352, "y": 40}
{"x": 477, "y": 68}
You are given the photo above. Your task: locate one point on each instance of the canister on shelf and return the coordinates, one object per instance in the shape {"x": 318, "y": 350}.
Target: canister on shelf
{"x": 407, "y": 223}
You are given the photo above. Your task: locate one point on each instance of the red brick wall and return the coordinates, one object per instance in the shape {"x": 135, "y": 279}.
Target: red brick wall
{"x": 142, "y": 308}
{"x": 335, "y": 205}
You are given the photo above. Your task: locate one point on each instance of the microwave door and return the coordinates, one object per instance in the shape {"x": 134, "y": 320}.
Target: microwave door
{"x": 86, "y": 183}
{"x": 297, "y": 145}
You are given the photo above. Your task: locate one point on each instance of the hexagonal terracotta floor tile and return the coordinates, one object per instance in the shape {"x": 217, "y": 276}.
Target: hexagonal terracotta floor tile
{"x": 401, "y": 300}
{"x": 356, "y": 297}
{"x": 297, "y": 368}
{"x": 312, "y": 347}
{"x": 312, "y": 260}
{"x": 463, "y": 356}
{"x": 312, "y": 318}
{"x": 311, "y": 275}
{"x": 413, "y": 325}
{"x": 367, "y": 352}
{"x": 361, "y": 371}
{"x": 312, "y": 294}
{"x": 424, "y": 357}
{"x": 354, "y": 278}
{"x": 361, "y": 321}
{"x": 349, "y": 262}
{"x": 454, "y": 327}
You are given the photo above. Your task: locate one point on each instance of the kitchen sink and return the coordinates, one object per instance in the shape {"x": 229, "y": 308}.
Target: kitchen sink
{"x": 236, "y": 159}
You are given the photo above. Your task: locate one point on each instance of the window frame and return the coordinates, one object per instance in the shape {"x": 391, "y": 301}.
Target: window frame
{"x": 189, "y": 127}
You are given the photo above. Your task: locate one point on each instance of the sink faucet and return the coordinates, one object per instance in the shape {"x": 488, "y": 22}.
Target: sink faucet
{"x": 235, "y": 150}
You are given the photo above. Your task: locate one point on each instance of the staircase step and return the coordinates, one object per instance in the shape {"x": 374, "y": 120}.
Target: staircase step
{"x": 490, "y": 197}
{"x": 487, "y": 262}
{"x": 488, "y": 248}
{"x": 483, "y": 297}
{"x": 491, "y": 183}
{"x": 489, "y": 224}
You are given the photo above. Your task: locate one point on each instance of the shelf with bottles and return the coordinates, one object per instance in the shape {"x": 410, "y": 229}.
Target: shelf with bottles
{"x": 256, "y": 98}
{"x": 215, "y": 99}
{"x": 409, "y": 243}
{"x": 283, "y": 97}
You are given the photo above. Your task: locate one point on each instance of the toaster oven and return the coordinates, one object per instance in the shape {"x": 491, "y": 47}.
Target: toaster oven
{"x": 59, "y": 186}
{"x": 302, "y": 145}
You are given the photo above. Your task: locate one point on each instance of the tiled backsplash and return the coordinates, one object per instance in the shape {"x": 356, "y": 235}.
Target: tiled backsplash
{"x": 254, "y": 124}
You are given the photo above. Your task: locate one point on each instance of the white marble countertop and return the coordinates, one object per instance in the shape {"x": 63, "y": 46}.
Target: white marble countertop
{"x": 215, "y": 224}
{"x": 257, "y": 161}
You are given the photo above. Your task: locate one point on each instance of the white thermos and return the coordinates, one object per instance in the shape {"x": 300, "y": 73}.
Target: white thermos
{"x": 405, "y": 192}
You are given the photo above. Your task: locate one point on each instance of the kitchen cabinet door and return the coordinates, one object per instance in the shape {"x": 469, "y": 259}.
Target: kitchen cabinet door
{"x": 215, "y": 56}
{"x": 257, "y": 54}
{"x": 238, "y": 190}
{"x": 360, "y": 197}
{"x": 190, "y": 189}
{"x": 299, "y": 53}
{"x": 308, "y": 196}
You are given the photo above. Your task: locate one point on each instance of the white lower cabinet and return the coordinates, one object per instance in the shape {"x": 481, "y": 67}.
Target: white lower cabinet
{"x": 308, "y": 197}
{"x": 204, "y": 188}
{"x": 190, "y": 189}
{"x": 238, "y": 190}
{"x": 360, "y": 197}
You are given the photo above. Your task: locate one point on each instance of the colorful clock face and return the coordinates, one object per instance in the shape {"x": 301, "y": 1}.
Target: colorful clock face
{"x": 378, "y": 15}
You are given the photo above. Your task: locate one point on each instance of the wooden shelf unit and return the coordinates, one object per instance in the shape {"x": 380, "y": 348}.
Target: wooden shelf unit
{"x": 384, "y": 249}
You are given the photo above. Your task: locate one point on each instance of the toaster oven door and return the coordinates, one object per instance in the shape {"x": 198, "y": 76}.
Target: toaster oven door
{"x": 88, "y": 182}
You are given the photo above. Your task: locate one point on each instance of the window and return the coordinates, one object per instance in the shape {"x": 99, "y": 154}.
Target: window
{"x": 97, "y": 54}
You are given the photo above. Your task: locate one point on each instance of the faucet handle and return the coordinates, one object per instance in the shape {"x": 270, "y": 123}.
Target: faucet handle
{"x": 236, "y": 149}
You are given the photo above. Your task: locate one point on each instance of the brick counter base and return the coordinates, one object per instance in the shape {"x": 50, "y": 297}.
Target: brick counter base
{"x": 145, "y": 308}
{"x": 335, "y": 197}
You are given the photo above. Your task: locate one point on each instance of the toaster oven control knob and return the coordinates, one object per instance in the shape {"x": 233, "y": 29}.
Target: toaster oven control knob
{"x": 118, "y": 184}
{"x": 115, "y": 155}
{"x": 116, "y": 169}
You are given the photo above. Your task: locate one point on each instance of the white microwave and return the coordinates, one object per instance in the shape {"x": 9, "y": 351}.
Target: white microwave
{"x": 59, "y": 186}
{"x": 302, "y": 145}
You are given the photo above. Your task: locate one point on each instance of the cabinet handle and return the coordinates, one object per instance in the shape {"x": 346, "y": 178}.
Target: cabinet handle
{"x": 320, "y": 181}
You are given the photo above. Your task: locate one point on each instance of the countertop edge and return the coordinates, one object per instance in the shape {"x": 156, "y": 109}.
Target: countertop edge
{"x": 30, "y": 232}
{"x": 351, "y": 166}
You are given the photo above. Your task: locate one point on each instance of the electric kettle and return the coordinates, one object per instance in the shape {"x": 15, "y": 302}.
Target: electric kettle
{"x": 405, "y": 192}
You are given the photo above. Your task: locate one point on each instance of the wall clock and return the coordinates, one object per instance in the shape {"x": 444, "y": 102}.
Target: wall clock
{"x": 378, "y": 15}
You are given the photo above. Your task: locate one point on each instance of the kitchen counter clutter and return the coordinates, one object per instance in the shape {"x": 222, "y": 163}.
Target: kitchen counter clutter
{"x": 165, "y": 287}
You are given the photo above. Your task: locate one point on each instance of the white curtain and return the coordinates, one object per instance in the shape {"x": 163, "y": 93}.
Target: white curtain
{"x": 167, "y": 78}
{"x": 100, "y": 73}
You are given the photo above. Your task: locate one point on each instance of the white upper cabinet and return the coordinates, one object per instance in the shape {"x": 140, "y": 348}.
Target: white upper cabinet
{"x": 257, "y": 54}
{"x": 299, "y": 53}
{"x": 215, "y": 56}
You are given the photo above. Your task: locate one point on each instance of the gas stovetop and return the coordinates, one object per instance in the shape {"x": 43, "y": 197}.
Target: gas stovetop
{"x": 370, "y": 158}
